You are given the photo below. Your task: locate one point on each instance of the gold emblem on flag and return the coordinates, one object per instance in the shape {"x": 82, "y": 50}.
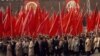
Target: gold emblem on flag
{"x": 72, "y": 4}
{"x": 31, "y": 5}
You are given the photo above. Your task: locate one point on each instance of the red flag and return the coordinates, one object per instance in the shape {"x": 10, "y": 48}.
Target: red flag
{"x": 91, "y": 21}
{"x": 42, "y": 27}
{"x": 79, "y": 26}
{"x": 1, "y": 24}
{"x": 90, "y": 24}
{"x": 74, "y": 23}
{"x": 77, "y": 1}
{"x": 25, "y": 26}
{"x": 44, "y": 17}
{"x": 13, "y": 22}
{"x": 7, "y": 22}
{"x": 68, "y": 28}
{"x": 19, "y": 22}
{"x": 65, "y": 21}
{"x": 99, "y": 20}
{"x": 56, "y": 26}
{"x": 34, "y": 22}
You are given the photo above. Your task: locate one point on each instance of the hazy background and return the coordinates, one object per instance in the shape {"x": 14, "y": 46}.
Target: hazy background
{"x": 50, "y": 5}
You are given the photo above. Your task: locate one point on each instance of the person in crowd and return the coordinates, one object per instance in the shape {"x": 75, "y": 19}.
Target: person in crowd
{"x": 13, "y": 44}
{"x": 92, "y": 36}
{"x": 31, "y": 48}
{"x": 25, "y": 45}
{"x": 18, "y": 48}
{"x": 76, "y": 46}
{"x": 55, "y": 44}
{"x": 49, "y": 51}
{"x": 99, "y": 44}
{"x": 82, "y": 44}
{"x": 1, "y": 44}
{"x": 9, "y": 50}
{"x": 44, "y": 46}
{"x": 47, "y": 46}
{"x": 72, "y": 45}
{"x": 60, "y": 46}
{"x": 36, "y": 47}
{"x": 65, "y": 46}
{"x": 96, "y": 43}
{"x": 88, "y": 46}
{"x": 69, "y": 43}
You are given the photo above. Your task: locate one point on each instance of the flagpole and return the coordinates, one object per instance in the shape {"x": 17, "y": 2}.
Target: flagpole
{"x": 88, "y": 7}
{"x": 88, "y": 11}
{"x": 97, "y": 20}
{"x": 60, "y": 17}
{"x": 10, "y": 20}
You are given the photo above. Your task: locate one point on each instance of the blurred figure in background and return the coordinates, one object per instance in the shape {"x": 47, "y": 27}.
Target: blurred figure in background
{"x": 76, "y": 46}
{"x": 9, "y": 50}
{"x": 88, "y": 46}
{"x": 25, "y": 45}
{"x": 55, "y": 45}
{"x": 31, "y": 48}
{"x": 19, "y": 49}
{"x": 65, "y": 46}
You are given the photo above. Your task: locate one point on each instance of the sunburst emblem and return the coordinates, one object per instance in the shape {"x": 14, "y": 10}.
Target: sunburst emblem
{"x": 72, "y": 4}
{"x": 31, "y": 5}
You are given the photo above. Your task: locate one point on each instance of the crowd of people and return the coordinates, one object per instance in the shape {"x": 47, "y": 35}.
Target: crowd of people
{"x": 52, "y": 46}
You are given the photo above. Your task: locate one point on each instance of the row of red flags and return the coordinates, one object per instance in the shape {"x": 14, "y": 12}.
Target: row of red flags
{"x": 33, "y": 23}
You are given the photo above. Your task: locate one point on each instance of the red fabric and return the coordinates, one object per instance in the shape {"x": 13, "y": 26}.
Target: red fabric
{"x": 7, "y": 22}
{"x": 79, "y": 27}
{"x": 90, "y": 23}
{"x": 25, "y": 28}
{"x": 74, "y": 23}
{"x": 34, "y": 22}
{"x": 1, "y": 24}
{"x": 53, "y": 29}
{"x": 77, "y": 1}
{"x": 68, "y": 27}
{"x": 98, "y": 21}
{"x": 44, "y": 17}
{"x": 42, "y": 29}
{"x": 18, "y": 24}
{"x": 13, "y": 22}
